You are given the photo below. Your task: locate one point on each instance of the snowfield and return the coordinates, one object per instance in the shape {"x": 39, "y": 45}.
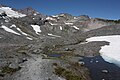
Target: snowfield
{"x": 9, "y": 30}
{"x": 10, "y": 12}
{"x": 36, "y": 28}
{"x": 111, "y": 52}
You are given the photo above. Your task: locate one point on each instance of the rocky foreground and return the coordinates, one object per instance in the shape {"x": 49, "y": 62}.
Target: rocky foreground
{"x": 34, "y": 46}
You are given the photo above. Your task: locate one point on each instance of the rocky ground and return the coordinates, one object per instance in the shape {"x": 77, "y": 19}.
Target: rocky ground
{"x": 34, "y": 46}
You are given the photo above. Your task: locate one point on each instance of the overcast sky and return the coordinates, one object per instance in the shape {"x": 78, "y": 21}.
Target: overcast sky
{"x": 109, "y": 9}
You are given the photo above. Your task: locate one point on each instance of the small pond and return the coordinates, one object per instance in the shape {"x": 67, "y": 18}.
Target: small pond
{"x": 54, "y": 55}
{"x": 100, "y": 69}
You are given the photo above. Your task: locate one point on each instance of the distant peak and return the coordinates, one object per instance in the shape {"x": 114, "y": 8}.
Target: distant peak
{"x": 1, "y": 5}
{"x": 28, "y": 11}
{"x": 28, "y": 8}
{"x": 84, "y": 17}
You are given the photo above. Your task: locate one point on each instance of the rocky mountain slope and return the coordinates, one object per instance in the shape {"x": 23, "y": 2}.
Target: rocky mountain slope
{"x": 34, "y": 46}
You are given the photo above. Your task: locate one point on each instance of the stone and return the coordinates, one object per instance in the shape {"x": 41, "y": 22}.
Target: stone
{"x": 104, "y": 71}
{"x": 14, "y": 65}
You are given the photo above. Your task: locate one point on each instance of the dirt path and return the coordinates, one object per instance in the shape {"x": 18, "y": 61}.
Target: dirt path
{"x": 36, "y": 69}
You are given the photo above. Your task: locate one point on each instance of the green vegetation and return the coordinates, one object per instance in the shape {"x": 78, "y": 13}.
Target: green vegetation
{"x": 68, "y": 75}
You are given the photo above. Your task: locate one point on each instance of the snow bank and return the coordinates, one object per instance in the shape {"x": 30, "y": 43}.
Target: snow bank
{"x": 111, "y": 52}
{"x": 11, "y": 13}
{"x": 9, "y": 30}
{"x": 36, "y": 28}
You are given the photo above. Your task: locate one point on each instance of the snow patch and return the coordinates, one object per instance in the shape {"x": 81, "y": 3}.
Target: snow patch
{"x": 50, "y": 18}
{"x": 21, "y": 31}
{"x": 9, "y": 30}
{"x": 53, "y": 35}
{"x": 52, "y": 24}
{"x": 35, "y": 14}
{"x": 111, "y": 52}
{"x": 11, "y": 13}
{"x": 6, "y": 20}
{"x": 13, "y": 26}
{"x": 75, "y": 27}
{"x": 75, "y": 17}
{"x": 36, "y": 28}
{"x": 62, "y": 14}
{"x": 68, "y": 23}
{"x": 54, "y": 15}
{"x": 61, "y": 28}
{"x": 29, "y": 38}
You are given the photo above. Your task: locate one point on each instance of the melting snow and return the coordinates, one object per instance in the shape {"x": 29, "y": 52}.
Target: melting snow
{"x": 36, "y": 28}
{"x": 54, "y": 15}
{"x": 21, "y": 31}
{"x": 69, "y": 23}
{"x": 75, "y": 27}
{"x": 29, "y": 38}
{"x": 53, "y": 35}
{"x": 62, "y": 14}
{"x": 13, "y": 26}
{"x": 111, "y": 52}
{"x": 18, "y": 29}
{"x": 60, "y": 27}
{"x": 9, "y": 30}
{"x": 6, "y": 20}
{"x": 52, "y": 24}
{"x": 11, "y": 13}
{"x": 35, "y": 14}
{"x": 50, "y": 18}
{"x": 75, "y": 17}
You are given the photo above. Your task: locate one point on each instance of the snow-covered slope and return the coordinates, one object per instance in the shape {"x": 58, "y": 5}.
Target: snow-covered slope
{"x": 10, "y": 12}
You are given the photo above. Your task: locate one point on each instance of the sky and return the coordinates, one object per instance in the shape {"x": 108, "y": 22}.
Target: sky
{"x": 109, "y": 9}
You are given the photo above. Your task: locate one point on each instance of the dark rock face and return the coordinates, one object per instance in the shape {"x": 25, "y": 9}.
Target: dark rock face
{"x": 24, "y": 39}
{"x": 28, "y": 11}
